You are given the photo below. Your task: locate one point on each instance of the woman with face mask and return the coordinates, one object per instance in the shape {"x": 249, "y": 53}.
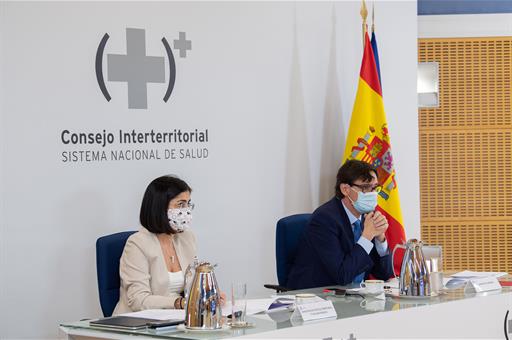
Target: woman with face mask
{"x": 155, "y": 258}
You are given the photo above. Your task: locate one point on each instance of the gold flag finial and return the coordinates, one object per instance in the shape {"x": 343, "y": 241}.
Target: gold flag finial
{"x": 364, "y": 15}
{"x": 373, "y": 16}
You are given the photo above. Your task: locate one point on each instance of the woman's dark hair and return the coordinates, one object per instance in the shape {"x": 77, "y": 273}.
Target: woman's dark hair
{"x": 351, "y": 171}
{"x": 153, "y": 210}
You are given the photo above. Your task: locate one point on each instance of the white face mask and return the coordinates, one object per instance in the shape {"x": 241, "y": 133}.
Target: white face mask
{"x": 366, "y": 202}
{"x": 180, "y": 218}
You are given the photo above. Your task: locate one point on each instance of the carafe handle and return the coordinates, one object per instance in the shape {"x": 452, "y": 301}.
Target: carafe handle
{"x": 393, "y": 256}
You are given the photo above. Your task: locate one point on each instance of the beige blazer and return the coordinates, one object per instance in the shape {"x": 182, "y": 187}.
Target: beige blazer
{"x": 144, "y": 275}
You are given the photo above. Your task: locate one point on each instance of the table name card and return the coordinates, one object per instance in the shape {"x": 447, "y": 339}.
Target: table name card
{"x": 317, "y": 310}
{"x": 482, "y": 284}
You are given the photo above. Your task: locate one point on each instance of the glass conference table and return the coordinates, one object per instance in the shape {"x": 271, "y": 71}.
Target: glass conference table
{"x": 453, "y": 314}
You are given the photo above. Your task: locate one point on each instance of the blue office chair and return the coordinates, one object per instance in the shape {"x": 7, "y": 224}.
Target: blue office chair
{"x": 288, "y": 232}
{"x": 108, "y": 253}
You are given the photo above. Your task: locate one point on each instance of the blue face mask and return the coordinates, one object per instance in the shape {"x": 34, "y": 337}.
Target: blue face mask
{"x": 366, "y": 202}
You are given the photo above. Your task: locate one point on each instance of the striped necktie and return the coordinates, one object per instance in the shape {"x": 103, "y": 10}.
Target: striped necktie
{"x": 358, "y": 230}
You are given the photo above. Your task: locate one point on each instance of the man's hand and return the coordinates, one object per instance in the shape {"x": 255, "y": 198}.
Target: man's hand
{"x": 381, "y": 224}
{"x": 375, "y": 225}
{"x": 369, "y": 231}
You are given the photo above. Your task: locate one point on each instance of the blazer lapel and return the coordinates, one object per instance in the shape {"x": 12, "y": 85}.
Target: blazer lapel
{"x": 345, "y": 222}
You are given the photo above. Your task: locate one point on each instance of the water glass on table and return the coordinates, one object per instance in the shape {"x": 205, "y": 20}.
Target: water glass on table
{"x": 238, "y": 304}
{"x": 436, "y": 282}
{"x": 436, "y": 275}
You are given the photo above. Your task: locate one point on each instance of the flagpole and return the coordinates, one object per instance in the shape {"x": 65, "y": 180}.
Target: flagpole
{"x": 373, "y": 16}
{"x": 364, "y": 15}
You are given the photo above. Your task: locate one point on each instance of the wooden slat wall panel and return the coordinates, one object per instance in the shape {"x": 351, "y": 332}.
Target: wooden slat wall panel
{"x": 464, "y": 175}
{"x": 466, "y": 153}
{"x": 471, "y": 245}
{"x": 475, "y": 88}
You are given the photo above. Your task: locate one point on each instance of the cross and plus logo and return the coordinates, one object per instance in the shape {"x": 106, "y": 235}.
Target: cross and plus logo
{"x": 137, "y": 69}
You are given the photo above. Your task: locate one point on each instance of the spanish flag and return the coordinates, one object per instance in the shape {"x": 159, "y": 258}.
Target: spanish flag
{"x": 368, "y": 140}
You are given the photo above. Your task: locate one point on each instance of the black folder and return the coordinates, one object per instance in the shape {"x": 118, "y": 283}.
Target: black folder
{"x": 123, "y": 322}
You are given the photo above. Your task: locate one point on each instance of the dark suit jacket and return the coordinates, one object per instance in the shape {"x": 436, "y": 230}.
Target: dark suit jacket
{"x": 327, "y": 254}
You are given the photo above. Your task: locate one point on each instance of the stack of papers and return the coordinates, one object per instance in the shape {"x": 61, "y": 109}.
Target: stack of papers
{"x": 282, "y": 303}
{"x": 469, "y": 274}
{"x": 159, "y": 314}
{"x": 459, "y": 279}
{"x": 364, "y": 292}
{"x": 253, "y": 306}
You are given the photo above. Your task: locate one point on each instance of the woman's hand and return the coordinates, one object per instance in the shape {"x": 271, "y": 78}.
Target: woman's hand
{"x": 179, "y": 303}
{"x": 222, "y": 298}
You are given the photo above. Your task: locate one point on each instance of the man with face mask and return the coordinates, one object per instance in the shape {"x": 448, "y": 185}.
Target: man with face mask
{"x": 344, "y": 241}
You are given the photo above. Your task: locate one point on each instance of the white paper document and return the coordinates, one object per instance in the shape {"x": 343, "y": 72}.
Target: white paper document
{"x": 159, "y": 314}
{"x": 364, "y": 292}
{"x": 467, "y": 274}
{"x": 281, "y": 304}
{"x": 392, "y": 283}
{"x": 320, "y": 309}
{"x": 458, "y": 280}
{"x": 253, "y": 306}
{"x": 483, "y": 284}
{"x": 275, "y": 297}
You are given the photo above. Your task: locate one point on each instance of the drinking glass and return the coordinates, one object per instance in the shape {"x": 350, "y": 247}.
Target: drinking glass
{"x": 238, "y": 303}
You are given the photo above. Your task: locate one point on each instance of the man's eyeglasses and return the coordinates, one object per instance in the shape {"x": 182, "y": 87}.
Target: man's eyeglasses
{"x": 368, "y": 187}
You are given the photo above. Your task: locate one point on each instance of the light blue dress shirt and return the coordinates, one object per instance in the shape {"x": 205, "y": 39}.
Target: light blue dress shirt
{"x": 382, "y": 247}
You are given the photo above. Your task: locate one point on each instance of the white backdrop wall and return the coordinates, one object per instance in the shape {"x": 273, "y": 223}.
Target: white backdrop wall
{"x": 463, "y": 25}
{"x": 273, "y": 83}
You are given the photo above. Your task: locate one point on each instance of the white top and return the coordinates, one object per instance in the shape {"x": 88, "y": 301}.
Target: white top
{"x": 176, "y": 282}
